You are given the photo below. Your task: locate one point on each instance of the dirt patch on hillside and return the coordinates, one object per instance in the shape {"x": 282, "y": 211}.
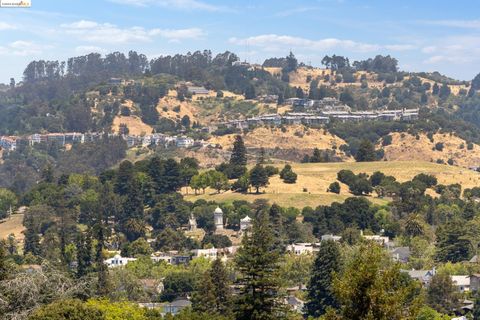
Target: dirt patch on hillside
{"x": 408, "y": 147}
{"x": 135, "y": 125}
{"x": 14, "y": 225}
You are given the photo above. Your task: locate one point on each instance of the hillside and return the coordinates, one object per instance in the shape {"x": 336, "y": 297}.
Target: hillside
{"x": 408, "y": 147}
{"x": 316, "y": 177}
{"x": 299, "y": 139}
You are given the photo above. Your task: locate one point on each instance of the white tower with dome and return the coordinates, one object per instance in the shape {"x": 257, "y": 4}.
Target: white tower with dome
{"x": 218, "y": 218}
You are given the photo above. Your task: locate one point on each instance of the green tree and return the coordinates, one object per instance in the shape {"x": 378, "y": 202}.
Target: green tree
{"x": 451, "y": 244}
{"x": 320, "y": 291}
{"x": 84, "y": 254}
{"x": 476, "y": 308}
{"x": 4, "y": 265}
{"x": 257, "y": 263}
{"x": 199, "y": 182}
{"x": 414, "y": 225}
{"x": 217, "y": 180}
{"x": 334, "y": 187}
{"x": 214, "y": 295}
{"x": 366, "y": 152}
{"x": 67, "y": 309}
{"x": 239, "y": 152}
{"x": 442, "y": 294}
{"x": 8, "y": 202}
{"x": 258, "y": 177}
{"x": 290, "y": 177}
{"x": 371, "y": 286}
{"x": 277, "y": 221}
{"x": 31, "y": 243}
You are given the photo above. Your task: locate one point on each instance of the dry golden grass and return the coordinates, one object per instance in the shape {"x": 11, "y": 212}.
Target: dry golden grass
{"x": 409, "y": 148}
{"x": 135, "y": 125}
{"x": 14, "y": 225}
{"x": 294, "y": 137}
{"x": 298, "y": 78}
{"x": 316, "y": 177}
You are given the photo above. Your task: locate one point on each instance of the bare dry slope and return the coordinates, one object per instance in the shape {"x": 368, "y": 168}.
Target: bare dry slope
{"x": 406, "y": 147}
{"x": 293, "y": 137}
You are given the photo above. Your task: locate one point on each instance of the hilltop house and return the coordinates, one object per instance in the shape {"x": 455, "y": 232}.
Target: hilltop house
{"x": 197, "y": 90}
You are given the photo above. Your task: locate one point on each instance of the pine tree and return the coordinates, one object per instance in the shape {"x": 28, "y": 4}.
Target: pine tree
{"x": 276, "y": 220}
{"x": 366, "y": 152}
{"x": 99, "y": 232}
{"x": 32, "y": 240}
{"x": 84, "y": 258}
{"x": 4, "y": 269}
{"x": 239, "y": 152}
{"x": 214, "y": 295}
{"x": 320, "y": 293}
{"x": 133, "y": 220}
{"x": 257, "y": 262}
{"x": 124, "y": 176}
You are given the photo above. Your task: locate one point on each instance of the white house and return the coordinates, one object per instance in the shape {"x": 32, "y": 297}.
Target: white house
{"x": 331, "y": 237}
{"x": 206, "y": 253}
{"x": 303, "y": 248}
{"x": 118, "y": 261}
{"x": 184, "y": 142}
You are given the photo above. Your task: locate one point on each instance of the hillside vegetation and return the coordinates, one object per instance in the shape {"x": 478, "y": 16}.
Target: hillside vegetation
{"x": 314, "y": 179}
{"x": 441, "y": 148}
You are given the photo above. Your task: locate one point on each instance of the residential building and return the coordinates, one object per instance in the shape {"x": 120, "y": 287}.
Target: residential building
{"x": 303, "y": 248}
{"x": 424, "y": 276}
{"x": 176, "y": 306}
{"x": 206, "y": 253}
{"x": 8, "y": 143}
{"x": 327, "y": 237}
{"x": 197, "y": 90}
{"x": 401, "y": 254}
{"x": 184, "y": 142}
{"x": 118, "y": 261}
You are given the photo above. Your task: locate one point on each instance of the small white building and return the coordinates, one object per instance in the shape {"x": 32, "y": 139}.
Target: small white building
{"x": 206, "y": 253}
{"x": 118, "y": 261}
{"x": 331, "y": 237}
{"x": 245, "y": 223}
{"x": 184, "y": 142}
{"x": 303, "y": 248}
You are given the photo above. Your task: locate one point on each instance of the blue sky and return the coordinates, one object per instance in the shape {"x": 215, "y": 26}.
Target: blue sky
{"x": 423, "y": 35}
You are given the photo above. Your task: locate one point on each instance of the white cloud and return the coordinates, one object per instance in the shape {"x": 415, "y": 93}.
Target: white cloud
{"x": 91, "y": 31}
{"x": 273, "y": 42}
{"x": 454, "y": 50}
{"x": 89, "y": 49}
{"x": 174, "y": 4}
{"x": 294, "y": 11}
{"x": 468, "y": 24}
{"x": 6, "y": 26}
{"x": 23, "y": 48}
{"x": 178, "y": 34}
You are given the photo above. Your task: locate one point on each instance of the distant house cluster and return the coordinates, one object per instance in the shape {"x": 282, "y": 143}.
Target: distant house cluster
{"x": 10, "y": 143}
{"x": 321, "y": 112}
